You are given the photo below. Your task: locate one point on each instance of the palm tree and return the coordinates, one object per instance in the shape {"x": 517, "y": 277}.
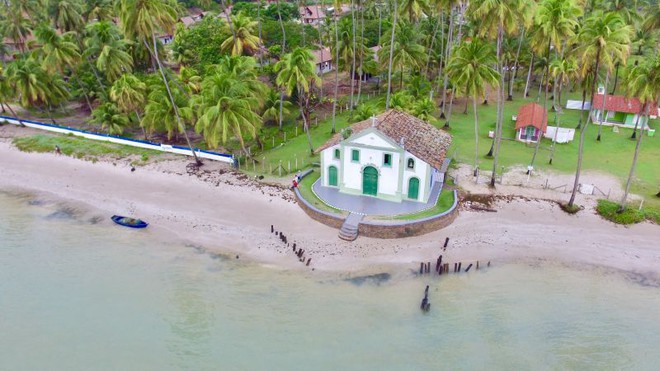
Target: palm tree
{"x": 497, "y": 17}
{"x": 7, "y": 94}
{"x": 471, "y": 66}
{"x": 129, "y": 94}
{"x": 56, "y": 52}
{"x": 297, "y": 71}
{"x": 104, "y": 43}
{"x": 140, "y": 20}
{"x": 406, "y": 51}
{"x": 643, "y": 82}
{"x": 227, "y": 105}
{"x": 29, "y": 79}
{"x": 391, "y": 55}
{"x": 110, "y": 117}
{"x": 98, "y": 10}
{"x": 424, "y": 109}
{"x": 337, "y": 5}
{"x": 603, "y": 39}
{"x": 161, "y": 114}
{"x": 245, "y": 42}
{"x": 555, "y": 22}
{"x": 66, "y": 14}
{"x": 413, "y": 9}
{"x": 17, "y": 27}
{"x": 271, "y": 107}
{"x": 652, "y": 21}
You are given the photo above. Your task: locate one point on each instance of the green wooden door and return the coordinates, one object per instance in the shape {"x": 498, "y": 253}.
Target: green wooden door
{"x": 332, "y": 176}
{"x": 413, "y": 188}
{"x": 370, "y": 181}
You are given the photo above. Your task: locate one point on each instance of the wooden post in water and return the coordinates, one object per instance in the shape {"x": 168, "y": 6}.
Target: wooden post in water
{"x": 455, "y": 266}
{"x": 468, "y": 268}
{"x": 459, "y": 267}
{"x": 477, "y": 264}
{"x": 446, "y": 242}
{"x": 421, "y": 268}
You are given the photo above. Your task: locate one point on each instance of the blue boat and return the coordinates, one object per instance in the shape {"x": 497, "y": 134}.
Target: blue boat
{"x": 129, "y": 222}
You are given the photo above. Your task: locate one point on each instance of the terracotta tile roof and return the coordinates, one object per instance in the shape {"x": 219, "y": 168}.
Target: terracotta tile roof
{"x": 619, "y": 103}
{"x": 532, "y": 114}
{"x": 327, "y": 56}
{"x": 419, "y": 137}
{"x": 187, "y": 21}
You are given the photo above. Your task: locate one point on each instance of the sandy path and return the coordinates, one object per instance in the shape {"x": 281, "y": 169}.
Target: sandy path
{"x": 224, "y": 213}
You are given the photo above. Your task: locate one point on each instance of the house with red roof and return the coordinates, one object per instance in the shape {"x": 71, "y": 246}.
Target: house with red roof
{"x": 531, "y": 122}
{"x": 618, "y": 110}
{"x": 322, "y": 60}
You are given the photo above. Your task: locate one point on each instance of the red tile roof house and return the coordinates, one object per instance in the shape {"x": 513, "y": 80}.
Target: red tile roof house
{"x": 531, "y": 122}
{"x": 621, "y": 111}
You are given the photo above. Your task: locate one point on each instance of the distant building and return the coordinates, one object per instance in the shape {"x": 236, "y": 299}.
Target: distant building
{"x": 312, "y": 15}
{"x": 323, "y": 60}
{"x": 621, "y": 111}
{"x": 531, "y": 122}
{"x": 394, "y": 156}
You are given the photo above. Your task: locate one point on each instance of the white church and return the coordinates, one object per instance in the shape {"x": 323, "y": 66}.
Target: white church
{"x": 394, "y": 156}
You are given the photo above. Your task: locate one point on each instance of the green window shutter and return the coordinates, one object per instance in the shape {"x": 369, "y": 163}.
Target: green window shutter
{"x": 355, "y": 155}
{"x": 336, "y": 153}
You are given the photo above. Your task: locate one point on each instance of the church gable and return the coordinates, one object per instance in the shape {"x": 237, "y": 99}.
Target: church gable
{"x": 373, "y": 138}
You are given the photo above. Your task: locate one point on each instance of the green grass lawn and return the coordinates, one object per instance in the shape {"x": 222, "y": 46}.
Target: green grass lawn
{"x": 80, "y": 147}
{"x": 631, "y": 215}
{"x": 612, "y": 155}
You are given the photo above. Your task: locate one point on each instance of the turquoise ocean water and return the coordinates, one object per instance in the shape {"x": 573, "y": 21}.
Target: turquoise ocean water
{"x": 79, "y": 293}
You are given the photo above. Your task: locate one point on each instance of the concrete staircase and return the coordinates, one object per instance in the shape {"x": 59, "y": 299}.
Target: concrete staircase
{"x": 349, "y": 230}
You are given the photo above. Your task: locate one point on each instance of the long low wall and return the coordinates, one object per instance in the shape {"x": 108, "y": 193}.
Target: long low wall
{"x": 121, "y": 140}
{"x": 410, "y": 228}
{"x": 375, "y": 229}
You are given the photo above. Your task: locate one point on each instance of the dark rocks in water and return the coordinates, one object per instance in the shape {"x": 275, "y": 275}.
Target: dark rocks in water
{"x": 372, "y": 278}
{"x": 96, "y": 220}
{"x": 63, "y": 213}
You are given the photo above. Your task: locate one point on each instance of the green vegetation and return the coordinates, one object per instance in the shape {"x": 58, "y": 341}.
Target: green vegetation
{"x": 631, "y": 214}
{"x": 80, "y": 147}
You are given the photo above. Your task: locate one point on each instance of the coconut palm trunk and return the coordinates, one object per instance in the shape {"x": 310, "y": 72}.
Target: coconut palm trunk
{"x": 545, "y": 106}
{"x": 389, "y": 69}
{"x": 557, "y": 93}
{"x": 529, "y": 77}
{"x": 336, "y": 61}
{"x": 301, "y": 94}
{"x": 476, "y": 136}
{"x": 360, "y": 75}
{"x": 154, "y": 52}
{"x": 445, "y": 83}
{"x": 602, "y": 115}
{"x": 279, "y": 18}
{"x": 578, "y": 169}
{"x": 500, "y": 105}
{"x": 634, "y": 163}
{"x": 512, "y": 80}
{"x": 352, "y": 74}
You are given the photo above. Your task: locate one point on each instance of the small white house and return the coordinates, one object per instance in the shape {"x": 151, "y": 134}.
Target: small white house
{"x": 322, "y": 60}
{"x": 394, "y": 156}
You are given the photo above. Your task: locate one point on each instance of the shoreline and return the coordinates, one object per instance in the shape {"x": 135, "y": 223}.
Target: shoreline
{"x": 228, "y": 213}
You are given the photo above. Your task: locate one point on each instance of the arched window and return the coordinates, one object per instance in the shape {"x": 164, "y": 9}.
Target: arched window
{"x": 411, "y": 163}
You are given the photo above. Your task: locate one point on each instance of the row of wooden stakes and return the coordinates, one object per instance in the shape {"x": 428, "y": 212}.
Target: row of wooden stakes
{"x": 440, "y": 268}
{"x": 300, "y": 253}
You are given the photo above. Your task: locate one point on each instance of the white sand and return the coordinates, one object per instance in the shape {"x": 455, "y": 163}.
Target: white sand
{"x": 226, "y": 213}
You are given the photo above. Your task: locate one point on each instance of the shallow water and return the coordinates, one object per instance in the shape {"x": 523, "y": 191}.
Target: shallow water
{"x": 77, "y": 292}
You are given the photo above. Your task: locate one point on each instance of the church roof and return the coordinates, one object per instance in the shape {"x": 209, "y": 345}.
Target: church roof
{"x": 416, "y": 136}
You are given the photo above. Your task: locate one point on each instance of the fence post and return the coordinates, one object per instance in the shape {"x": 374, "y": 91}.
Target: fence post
{"x": 273, "y": 141}
{"x": 289, "y": 165}
{"x": 263, "y": 164}
{"x": 296, "y": 157}
{"x": 279, "y": 168}
{"x": 254, "y": 166}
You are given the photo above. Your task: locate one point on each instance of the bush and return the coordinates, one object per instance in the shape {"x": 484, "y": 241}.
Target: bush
{"x": 610, "y": 211}
{"x": 570, "y": 209}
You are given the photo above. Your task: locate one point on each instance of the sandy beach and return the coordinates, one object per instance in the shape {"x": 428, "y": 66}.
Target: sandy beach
{"x": 225, "y": 212}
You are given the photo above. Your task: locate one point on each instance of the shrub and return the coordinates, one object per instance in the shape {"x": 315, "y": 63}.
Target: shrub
{"x": 610, "y": 211}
